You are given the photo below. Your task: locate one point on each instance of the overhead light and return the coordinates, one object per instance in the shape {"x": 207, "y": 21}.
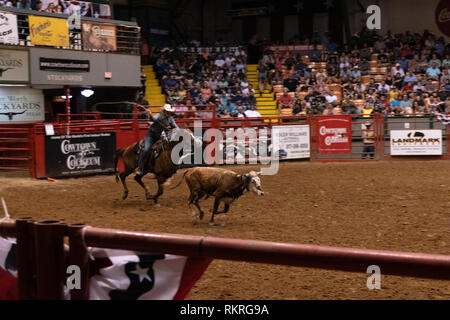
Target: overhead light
{"x": 64, "y": 97}
{"x": 87, "y": 93}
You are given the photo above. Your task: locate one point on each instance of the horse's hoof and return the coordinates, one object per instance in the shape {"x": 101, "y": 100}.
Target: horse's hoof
{"x": 148, "y": 197}
{"x": 211, "y": 223}
{"x": 201, "y": 216}
{"x": 125, "y": 195}
{"x": 157, "y": 205}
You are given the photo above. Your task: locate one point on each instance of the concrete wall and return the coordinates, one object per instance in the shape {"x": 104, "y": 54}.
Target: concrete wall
{"x": 413, "y": 15}
{"x": 125, "y": 69}
{"x": 397, "y": 15}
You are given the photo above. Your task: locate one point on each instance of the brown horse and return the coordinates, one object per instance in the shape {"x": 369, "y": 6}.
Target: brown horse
{"x": 163, "y": 167}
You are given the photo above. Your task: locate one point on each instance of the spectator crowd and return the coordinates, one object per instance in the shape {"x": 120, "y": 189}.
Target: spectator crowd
{"x": 60, "y": 6}
{"x": 399, "y": 74}
{"x": 206, "y": 78}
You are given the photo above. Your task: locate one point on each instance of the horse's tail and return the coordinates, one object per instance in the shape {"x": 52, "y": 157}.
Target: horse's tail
{"x": 181, "y": 180}
{"x": 117, "y": 154}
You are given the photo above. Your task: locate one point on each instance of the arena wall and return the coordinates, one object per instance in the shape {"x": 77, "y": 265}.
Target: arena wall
{"x": 413, "y": 15}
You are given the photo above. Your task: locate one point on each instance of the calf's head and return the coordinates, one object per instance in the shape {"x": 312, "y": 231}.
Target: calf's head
{"x": 253, "y": 183}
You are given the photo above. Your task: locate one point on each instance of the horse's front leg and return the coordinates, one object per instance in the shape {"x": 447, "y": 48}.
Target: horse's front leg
{"x": 160, "y": 190}
{"x": 138, "y": 179}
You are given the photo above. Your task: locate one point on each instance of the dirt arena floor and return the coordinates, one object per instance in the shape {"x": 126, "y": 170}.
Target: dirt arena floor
{"x": 402, "y": 206}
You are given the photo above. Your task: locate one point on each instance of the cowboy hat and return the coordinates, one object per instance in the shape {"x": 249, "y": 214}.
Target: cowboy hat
{"x": 168, "y": 108}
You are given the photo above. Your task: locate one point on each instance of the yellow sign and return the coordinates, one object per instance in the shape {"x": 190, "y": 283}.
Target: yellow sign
{"x": 48, "y": 31}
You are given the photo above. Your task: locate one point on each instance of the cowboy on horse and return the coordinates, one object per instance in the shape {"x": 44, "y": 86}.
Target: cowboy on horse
{"x": 156, "y": 130}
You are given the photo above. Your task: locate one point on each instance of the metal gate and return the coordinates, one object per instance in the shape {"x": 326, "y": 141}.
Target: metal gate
{"x": 15, "y": 147}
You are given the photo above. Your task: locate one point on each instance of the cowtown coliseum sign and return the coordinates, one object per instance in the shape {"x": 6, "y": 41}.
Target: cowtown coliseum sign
{"x": 79, "y": 154}
{"x": 335, "y": 134}
{"x": 442, "y": 16}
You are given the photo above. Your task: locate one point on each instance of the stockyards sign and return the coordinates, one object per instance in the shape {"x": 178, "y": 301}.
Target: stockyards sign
{"x": 335, "y": 134}
{"x": 19, "y": 105}
{"x": 416, "y": 142}
{"x": 8, "y": 28}
{"x": 14, "y": 66}
{"x": 99, "y": 37}
{"x": 48, "y": 31}
{"x": 291, "y": 142}
{"x": 79, "y": 154}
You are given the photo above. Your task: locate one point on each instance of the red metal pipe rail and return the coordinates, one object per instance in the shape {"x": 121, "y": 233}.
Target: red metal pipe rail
{"x": 334, "y": 258}
{"x": 41, "y": 262}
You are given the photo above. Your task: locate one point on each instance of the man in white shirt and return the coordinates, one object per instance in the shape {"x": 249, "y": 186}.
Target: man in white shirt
{"x": 252, "y": 113}
{"x": 383, "y": 87}
{"x": 397, "y": 70}
{"x": 330, "y": 97}
{"x": 419, "y": 87}
{"x": 219, "y": 62}
{"x": 240, "y": 52}
{"x": 240, "y": 112}
{"x": 229, "y": 59}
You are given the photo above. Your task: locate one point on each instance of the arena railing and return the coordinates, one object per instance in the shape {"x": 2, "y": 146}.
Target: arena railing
{"x": 209, "y": 49}
{"x": 42, "y": 257}
{"x": 127, "y": 33}
{"x": 128, "y": 131}
{"x": 15, "y": 147}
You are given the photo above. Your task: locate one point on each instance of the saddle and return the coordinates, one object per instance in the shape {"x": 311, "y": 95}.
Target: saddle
{"x": 156, "y": 150}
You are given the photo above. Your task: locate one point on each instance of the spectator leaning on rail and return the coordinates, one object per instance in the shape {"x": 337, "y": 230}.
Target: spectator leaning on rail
{"x": 368, "y": 136}
{"x": 156, "y": 130}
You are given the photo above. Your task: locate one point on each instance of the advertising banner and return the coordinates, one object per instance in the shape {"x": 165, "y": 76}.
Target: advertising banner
{"x": 14, "y": 66}
{"x": 79, "y": 154}
{"x": 64, "y": 65}
{"x": 99, "y": 37}
{"x": 291, "y": 142}
{"x": 48, "y": 31}
{"x": 20, "y": 105}
{"x": 83, "y": 68}
{"x": 416, "y": 142}
{"x": 8, "y": 28}
{"x": 335, "y": 134}
{"x": 295, "y": 48}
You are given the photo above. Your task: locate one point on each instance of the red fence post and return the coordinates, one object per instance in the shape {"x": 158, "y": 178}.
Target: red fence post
{"x": 32, "y": 168}
{"x": 447, "y": 131}
{"x": 49, "y": 257}
{"x": 24, "y": 259}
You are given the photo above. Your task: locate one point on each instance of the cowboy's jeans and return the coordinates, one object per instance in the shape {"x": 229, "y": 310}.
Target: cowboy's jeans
{"x": 148, "y": 142}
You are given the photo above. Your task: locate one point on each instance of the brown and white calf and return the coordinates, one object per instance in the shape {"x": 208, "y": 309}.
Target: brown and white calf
{"x": 225, "y": 185}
